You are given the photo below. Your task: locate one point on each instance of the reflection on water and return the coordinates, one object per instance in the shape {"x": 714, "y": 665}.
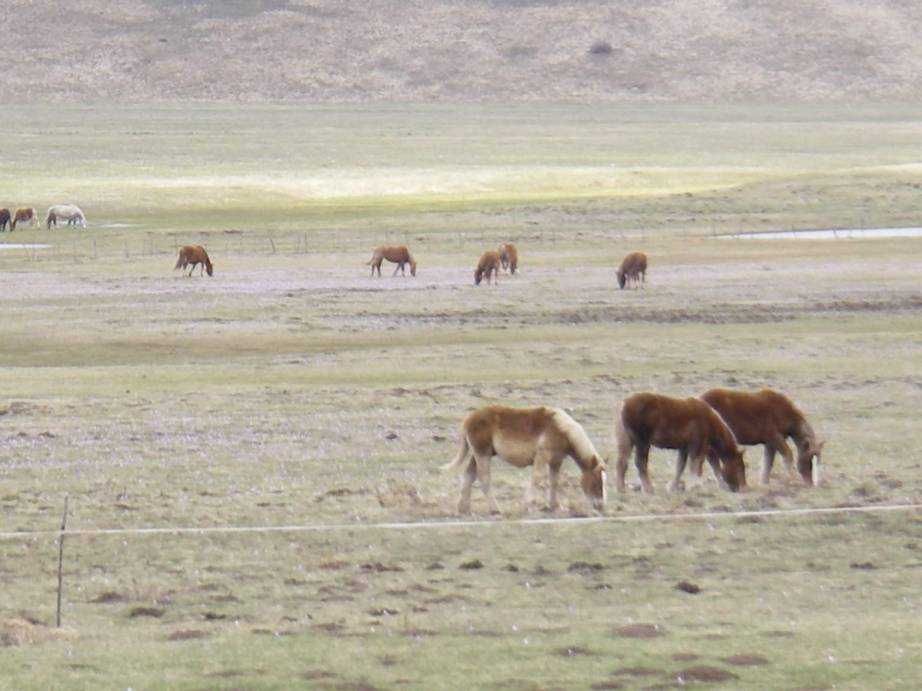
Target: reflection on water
{"x": 19, "y": 246}
{"x": 829, "y": 234}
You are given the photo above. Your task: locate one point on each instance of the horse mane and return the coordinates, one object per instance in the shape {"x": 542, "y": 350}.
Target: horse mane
{"x": 583, "y": 450}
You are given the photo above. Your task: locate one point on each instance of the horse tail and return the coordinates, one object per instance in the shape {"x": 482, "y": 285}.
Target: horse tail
{"x": 622, "y": 437}
{"x": 50, "y": 217}
{"x": 463, "y": 453}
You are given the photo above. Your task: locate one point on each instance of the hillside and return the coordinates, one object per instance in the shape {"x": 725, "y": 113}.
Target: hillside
{"x": 466, "y": 50}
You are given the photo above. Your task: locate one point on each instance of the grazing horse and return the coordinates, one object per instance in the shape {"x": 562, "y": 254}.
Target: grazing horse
{"x": 509, "y": 257}
{"x": 5, "y": 219}
{"x": 23, "y": 215}
{"x": 193, "y": 255}
{"x": 68, "y": 212}
{"x": 536, "y": 437}
{"x": 690, "y": 426}
{"x": 399, "y": 254}
{"x": 489, "y": 264}
{"x": 769, "y": 417}
{"x": 633, "y": 268}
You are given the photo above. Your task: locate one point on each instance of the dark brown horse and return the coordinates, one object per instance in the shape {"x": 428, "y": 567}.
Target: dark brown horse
{"x": 24, "y": 215}
{"x": 769, "y": 417}
{"x": 688, "y": 425}
{"x": 192, "y": 255}
{"x": 537, "y": 437}
{"x": 399, "y": 254}
{"x": 633, "y": 268}
{"x": 509, "y": 257}
{"x": 489, "y": 264}
{"x": 5, "y": 219}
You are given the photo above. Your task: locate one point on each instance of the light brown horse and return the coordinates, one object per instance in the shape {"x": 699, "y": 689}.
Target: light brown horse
{"x": 194, "y": 255}
{"x": 688, "y": 425}
{"x": 633, "y": 268}
{"x": 537, "y": 437}
{"x": 399, "y": 254}
{"x": 489, "y": 264}
{"x": 25, "y": 215}
{"x": 769, "y": 417}
{"x": 509, "y": 257}
{"x": 5, "y": 219}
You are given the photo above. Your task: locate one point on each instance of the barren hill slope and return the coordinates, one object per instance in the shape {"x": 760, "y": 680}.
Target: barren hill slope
{"x": 414, "y": 50}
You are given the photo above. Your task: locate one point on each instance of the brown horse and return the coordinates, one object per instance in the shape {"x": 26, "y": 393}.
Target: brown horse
{"x": 5, "y": 219}
{"x": 690, "y": 426}
{"x": 489, "y": 264}
{"x": 399, "y": 254}
{"x": 769, "y": 417}
{"x": 23, "y": 215}
{"x": 193, "y": 255}
{"x": 633, "y": 268}
{"x": 537, "y": 437}
{"x": 509, "y": 257}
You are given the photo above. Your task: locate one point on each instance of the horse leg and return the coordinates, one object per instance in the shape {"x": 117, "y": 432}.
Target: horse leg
{"x": 641, "y": 458}
{"x": 467, "y": 480}
{"x": 483, "y": 474}
{"x": 680, "y": 461}
{"x": 396, "y": 269}
{"x": 781, "y": 446}
{"x": 624, "y": 451}
{"x": 538, "y": 465}
{"x": 554, "y": 477}
{"x": 768, "y": 459}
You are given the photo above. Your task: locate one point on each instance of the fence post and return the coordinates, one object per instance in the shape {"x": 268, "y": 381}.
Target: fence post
{"x": 61, "y": 562}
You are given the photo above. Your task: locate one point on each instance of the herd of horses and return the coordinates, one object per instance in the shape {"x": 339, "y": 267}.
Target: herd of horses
{"x": 712, "y": 427}
{"x": 71, "y": 213}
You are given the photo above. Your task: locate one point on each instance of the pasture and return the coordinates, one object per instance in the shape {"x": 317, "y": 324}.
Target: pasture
{"x": 292, "y": 389}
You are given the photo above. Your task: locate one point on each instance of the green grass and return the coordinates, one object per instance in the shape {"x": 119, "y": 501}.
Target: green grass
{"x": 293, "y": 389}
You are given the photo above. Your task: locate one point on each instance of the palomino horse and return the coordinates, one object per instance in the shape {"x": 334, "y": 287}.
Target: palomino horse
{"x": 489, "y": 264}
{"x": 768, "y": 417}
{"x": 690, "y": 426}
{"x": 399, "y": 254}
{"x": 5, "y": 219}
{"x": 67, "y": 212}
{"x": 633, "y": 268}
{"x": 538, "y": 437}
{"x": 23, "y": 215}
{"x": 193, "y": 255}
{"x": 509, "y": 257}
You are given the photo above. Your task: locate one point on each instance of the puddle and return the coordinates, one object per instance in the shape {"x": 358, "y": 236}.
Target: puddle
{"x": 23, "y": 246}
{"x": 828, "y": 234}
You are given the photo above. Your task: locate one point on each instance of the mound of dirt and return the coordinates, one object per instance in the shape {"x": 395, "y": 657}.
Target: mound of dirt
{"x": 22, "y": 632}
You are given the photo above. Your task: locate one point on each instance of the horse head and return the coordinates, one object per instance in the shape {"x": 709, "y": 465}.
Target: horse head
{"x": 733, "y": 469}
{"x": 808, "y": 460}
{"x": 478, "y": 276}
{"x": 594, "y": 483}
{"x": 622, "y": 278}
{"x": 209, "y": 267}
{"x": 412, "y": 266}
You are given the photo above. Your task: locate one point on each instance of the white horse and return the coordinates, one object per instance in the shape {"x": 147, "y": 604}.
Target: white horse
{"x": 71, "y": 213}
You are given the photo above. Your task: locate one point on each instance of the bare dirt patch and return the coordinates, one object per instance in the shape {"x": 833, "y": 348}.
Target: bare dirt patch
{"x": 640, "y": 631}
{"x": 705, "y": 674}
{"x": 743, "y": 660}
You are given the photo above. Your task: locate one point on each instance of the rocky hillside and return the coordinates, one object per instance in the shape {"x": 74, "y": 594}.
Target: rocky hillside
{"x": 469, "y": 50}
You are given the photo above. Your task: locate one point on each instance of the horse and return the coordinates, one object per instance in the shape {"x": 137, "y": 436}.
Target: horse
{"x": 633, "y": 268}
{"x": 25, "y": 214}
{"x": 5, "y": 220}
{"x": 489, "y": 264}
{"x": 194, "y": 254}
{"x": 399, "y": 254}
{"x": 537, "y": 437}
{"x": 690, "y": 426}
{"x": 69, "y": 212}
{"x": 509, "y": 257}
{"x": 769, "y": 417}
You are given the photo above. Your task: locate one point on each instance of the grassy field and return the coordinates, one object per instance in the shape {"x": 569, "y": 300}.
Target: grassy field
{"x": 293, "y": 389}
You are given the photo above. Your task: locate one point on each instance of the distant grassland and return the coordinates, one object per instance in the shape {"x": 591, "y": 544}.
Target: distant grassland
{"x": 307, "y": 166}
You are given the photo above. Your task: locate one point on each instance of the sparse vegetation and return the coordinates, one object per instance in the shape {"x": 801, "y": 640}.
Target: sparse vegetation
{"x": 292, "y": 389}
